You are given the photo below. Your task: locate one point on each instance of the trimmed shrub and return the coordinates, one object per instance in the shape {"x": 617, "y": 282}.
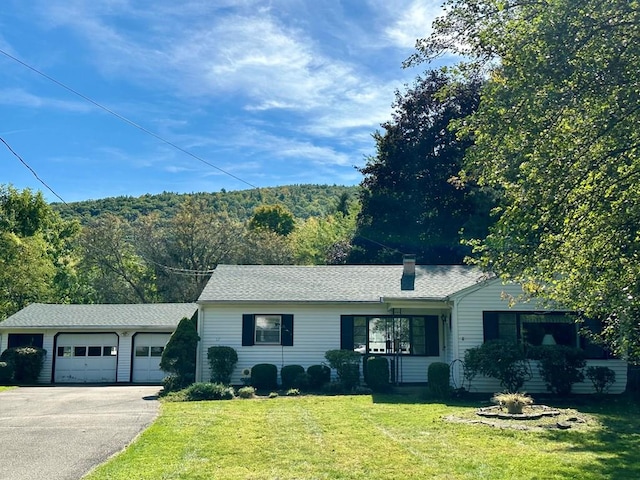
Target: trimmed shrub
{"x": 264, "y": 376}
{"x": 6, "y": 373}
{"x": 499, "y": 359}
{"x": 174, "y": 383}
{"x": 222, "y": 361}
{"x": 601, "y": 378}
{"x": 347, "y": 366}
{"x": 208, "y": 391}
{"x": 560, "y": 366}
{"x": 438, "y": 375}
{"x": 247, "y": 392}
{"x": 289, "y": 373}
{"x": 302, "y": 382}
{"x": 179, "y": 356}
{"x": 318, "y": 376}
{"x": 377, "y": 374}
{"x": 26, "y": 363}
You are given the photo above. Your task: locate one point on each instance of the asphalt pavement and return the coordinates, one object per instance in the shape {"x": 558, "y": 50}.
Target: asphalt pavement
{"x": 63, "y": 432}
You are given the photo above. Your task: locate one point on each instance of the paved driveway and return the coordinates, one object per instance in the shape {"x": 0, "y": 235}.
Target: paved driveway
{"x": 58, "y": 433}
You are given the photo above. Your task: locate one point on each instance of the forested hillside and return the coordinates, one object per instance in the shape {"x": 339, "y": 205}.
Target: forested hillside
{"x": 303, "y": 201}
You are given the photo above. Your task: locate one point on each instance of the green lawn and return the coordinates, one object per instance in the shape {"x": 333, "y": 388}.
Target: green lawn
{"x": 365, "y": 437}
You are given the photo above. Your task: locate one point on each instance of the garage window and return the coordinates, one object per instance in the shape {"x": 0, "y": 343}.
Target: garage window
{"x": 109, "y": 351}
{"x": 95, "y": 351}
{"x": 64, "y": 351}
{"x": 79, "y": 351}
{"x": 156, "y": 351}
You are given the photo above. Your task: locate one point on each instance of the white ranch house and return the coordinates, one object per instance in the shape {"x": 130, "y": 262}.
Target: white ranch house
{"x": 97, "y": 343}
{"x": 413, "y": 315}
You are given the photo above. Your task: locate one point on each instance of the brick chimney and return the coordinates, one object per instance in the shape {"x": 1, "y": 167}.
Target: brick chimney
{"x": 408, "y": 272}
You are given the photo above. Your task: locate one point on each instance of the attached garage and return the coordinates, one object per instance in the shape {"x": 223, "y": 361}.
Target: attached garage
{"x": 116, "y": 343}
{"x": 147, "y": 352}
{"x": 85, "y": 358}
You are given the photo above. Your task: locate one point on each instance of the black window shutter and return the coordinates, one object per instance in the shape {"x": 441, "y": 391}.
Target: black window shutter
{"x": 490, "y": 326}
{"x": 286, "y": 334}
{"x": 248, "y": 329}
{"x": 346, "y": 332}
{"x": 432, "y": 336}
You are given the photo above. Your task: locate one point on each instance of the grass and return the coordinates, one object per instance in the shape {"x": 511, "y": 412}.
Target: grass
{"x": 2, "y": 389}
{"x": 373, "y": 437}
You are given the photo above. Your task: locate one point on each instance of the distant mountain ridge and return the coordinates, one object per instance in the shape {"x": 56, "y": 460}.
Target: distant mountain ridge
{"x": 307, "y": 200}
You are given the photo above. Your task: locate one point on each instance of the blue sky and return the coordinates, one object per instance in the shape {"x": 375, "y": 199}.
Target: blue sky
{"x": 275, "y": 93}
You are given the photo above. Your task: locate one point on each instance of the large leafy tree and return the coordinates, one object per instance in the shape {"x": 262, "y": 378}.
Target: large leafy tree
{"x": 37, "y": 258}
{"x": 184, "y": 250}
{"x": 557, "y": 132}
{"x": 411, "y": 202}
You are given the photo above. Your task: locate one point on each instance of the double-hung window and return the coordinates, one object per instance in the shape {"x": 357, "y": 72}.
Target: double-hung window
{"x": 267, "y": 329}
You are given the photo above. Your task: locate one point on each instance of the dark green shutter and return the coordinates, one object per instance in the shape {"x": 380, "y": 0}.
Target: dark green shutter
{"x": 286, "y": 335}
{"x": 490, "y": 326}
{"x": 432, "y": 336}
{"x": 346, "y": 332}
{"x": 248, "y": 329}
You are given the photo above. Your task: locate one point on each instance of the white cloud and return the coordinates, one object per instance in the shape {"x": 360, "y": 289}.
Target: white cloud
{"x": 20, "y": 98}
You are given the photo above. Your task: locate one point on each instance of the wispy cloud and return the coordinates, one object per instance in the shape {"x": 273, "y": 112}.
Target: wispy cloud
{"x": 18, "y": 97}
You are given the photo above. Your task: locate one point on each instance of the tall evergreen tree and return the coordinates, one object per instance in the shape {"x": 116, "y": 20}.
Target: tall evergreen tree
{"x": 411, "y": 202}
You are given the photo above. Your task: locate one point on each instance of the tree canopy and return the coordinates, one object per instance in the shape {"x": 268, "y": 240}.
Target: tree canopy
{"x": 557, "y": 132}
{"x": 410, "y": 201}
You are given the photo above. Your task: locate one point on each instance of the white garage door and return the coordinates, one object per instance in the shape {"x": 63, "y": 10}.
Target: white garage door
{"x": 82, "y": 358}
{"x": 148, "y": 348}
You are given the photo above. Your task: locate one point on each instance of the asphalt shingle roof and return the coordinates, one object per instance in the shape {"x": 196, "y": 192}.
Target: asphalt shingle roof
{"x": 41, "y": 315}
{"x": 333, "y": 283}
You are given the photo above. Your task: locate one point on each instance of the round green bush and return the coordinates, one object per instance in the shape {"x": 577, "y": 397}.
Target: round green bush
{"x": 288, "y": 374}
{"x": 247, "y": 392}
{"x": 438, "y": 379}
{"x": 377, "y": 374}
{"x": 264, "y": 376}
{"x": 222, "y": 361}
{"x": 6, "y": 373}
{"x": 318, "y": 376}
{"x": 26, "y": 363}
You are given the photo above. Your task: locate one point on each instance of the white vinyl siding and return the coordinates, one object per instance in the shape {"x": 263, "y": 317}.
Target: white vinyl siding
{"x": 468, "y": 329}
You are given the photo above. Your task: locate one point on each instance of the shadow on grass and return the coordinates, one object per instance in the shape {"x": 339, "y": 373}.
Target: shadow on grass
{"x": 421, "y": 395}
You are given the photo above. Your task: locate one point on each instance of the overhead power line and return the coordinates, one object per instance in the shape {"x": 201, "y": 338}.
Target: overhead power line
{"x": 31, "y": 170}
{"x": 125, "y": 119}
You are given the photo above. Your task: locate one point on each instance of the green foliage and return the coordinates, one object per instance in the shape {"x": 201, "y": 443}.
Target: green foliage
{"x": 247, "y": 392}
{"x": 179, "y": 355}
{"x": 347, "y": 366}
{"x": 303, "y": 201}
{"x": 410, "y": 201}
{"x": 274, "y": 218}
{"x": 601, "y": 377}
{"x": 6, "y": 373}
{"x": 499, "y": 359}
{"x": 556, "y": 133}
{"x": 264, "y": 376}
{"x": 174, "y": 383}
{"x": 222, "y": 361}
{"x": 318, "y": 376}
{"x": 438, "y": 375}
{"x": 208, "y": 391}
{"x": 26, "y": 363}
{"x": 289, "y": 374}
{"x": 560, "y": 366}
{"x": 377, "y": 374}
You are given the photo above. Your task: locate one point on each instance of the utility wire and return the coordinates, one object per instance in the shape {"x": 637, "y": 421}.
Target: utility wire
{"x": 31, "y": 169}
{"x": 125, "y": 119}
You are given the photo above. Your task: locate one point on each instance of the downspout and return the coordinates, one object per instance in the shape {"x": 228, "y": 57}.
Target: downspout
{"x": 199, "y": 346}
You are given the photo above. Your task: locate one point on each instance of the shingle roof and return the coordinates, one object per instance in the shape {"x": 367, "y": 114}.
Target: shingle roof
{"x": 333, "y": 283}
{"x": 41, "y": 315}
